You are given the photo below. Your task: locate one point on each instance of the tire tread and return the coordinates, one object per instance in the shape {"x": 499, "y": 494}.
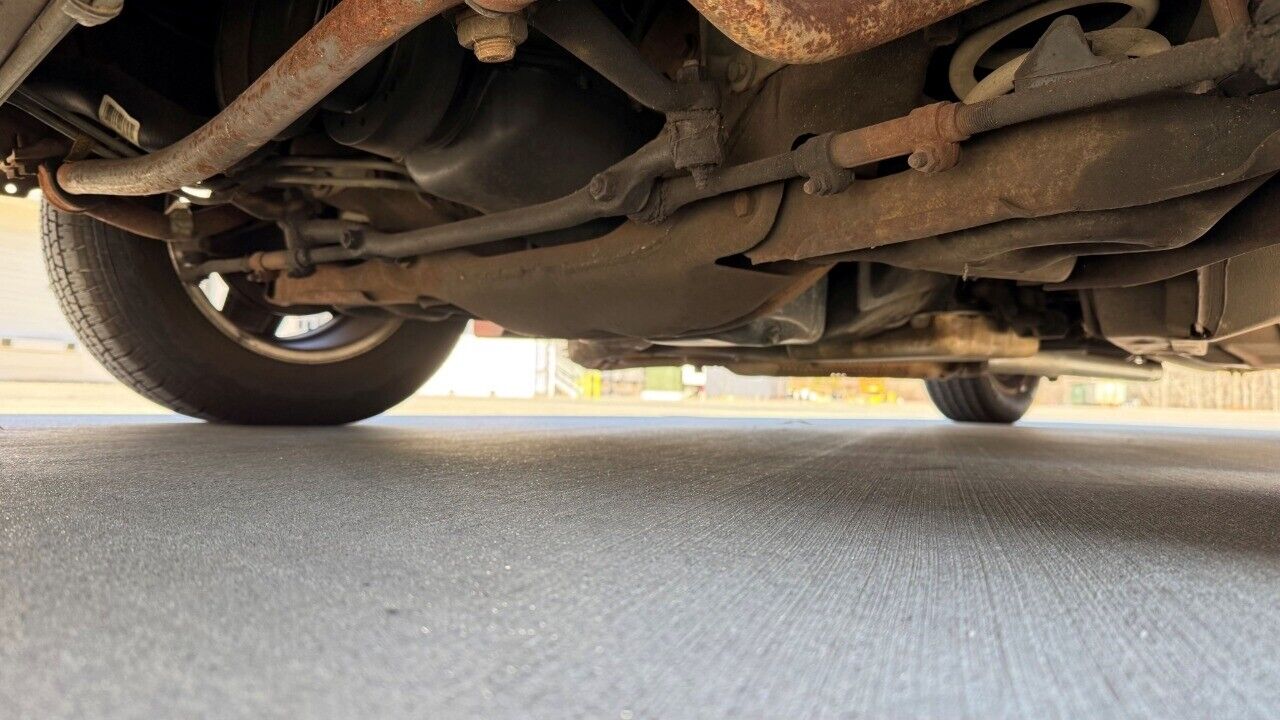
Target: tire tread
{"x": 976, "y": 400}
{"x": 87, "y": 286}
{"x": 118, "y": 294}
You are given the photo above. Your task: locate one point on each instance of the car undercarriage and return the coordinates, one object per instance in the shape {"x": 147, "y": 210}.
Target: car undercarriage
{"x": 286, "y": 210}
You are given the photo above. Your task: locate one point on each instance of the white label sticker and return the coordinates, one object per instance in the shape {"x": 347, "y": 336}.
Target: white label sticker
{"x": 114, "y": 117}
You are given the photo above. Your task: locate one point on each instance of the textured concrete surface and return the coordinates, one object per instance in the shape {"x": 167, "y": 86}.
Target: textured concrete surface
{"x": 616, "y": 568}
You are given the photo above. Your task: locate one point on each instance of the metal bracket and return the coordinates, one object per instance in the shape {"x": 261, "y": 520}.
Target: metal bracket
{"x": 25, "y": 162}
{"x": 1062, "y": 50}
{"x": 695, "y": 142}
{"x": 182, "y": 221}
{"x": 581, "y": 28}
{"x": 53, "y": 24}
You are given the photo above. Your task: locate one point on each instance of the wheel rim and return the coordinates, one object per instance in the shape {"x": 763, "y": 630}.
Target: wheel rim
{"x": 278, "y": 333}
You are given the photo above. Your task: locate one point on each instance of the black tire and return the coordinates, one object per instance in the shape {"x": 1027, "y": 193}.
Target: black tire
{"x": 124, "y": 299}
{"x": 997, "y": 399}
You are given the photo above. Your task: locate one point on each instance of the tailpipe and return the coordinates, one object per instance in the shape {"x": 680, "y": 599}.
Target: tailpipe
{"x": 810, "y": 31}
{"x": 1057, "y": 364}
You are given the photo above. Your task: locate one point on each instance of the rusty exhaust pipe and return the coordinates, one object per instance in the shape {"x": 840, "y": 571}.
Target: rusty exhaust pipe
{"x": 345, "y": 40}
{"x": 811, "y": 31}
{"x": 139, "y": 220}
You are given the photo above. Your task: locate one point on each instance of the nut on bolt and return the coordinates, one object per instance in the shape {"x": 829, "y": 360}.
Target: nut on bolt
{"x": 601, "y": 188}
{"x": 493, "y": 38}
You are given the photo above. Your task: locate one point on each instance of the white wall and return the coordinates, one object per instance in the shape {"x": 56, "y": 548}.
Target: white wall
{"x": 488, "y": 367}
{"x": 28, "y": 310}
{"x": 36, "y": 344}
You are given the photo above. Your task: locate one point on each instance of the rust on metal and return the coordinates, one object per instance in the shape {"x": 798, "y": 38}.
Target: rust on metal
{"x": 1229, "y": 14}
{"x": 571, "y": 290}
{"x": 936, "y": 337}
{"x": 145, "y": 222}
{"x": 375, "y": 282}
{"x": 492, "y": 37}
{"x": 344, "y": 41}
{"x": 137, "y": 219}
{"x": 615, "y": 354}
{"x": 1070, "y": 163}
{"x": 811, "y": 31}
{"x": 54, "y": 195}
{"x": 798, "y": 368}
{"x": 928, "y": 134}
{"x": 932, "y": 345}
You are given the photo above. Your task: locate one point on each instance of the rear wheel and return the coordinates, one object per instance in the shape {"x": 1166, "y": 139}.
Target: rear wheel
{"x": 215, "y": 348}
{"x": 1002, "y": 399}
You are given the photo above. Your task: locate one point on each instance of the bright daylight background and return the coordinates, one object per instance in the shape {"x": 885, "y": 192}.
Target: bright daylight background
{"x": 44, "y": 369}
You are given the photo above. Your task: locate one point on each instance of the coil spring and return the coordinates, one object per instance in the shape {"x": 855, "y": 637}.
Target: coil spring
{"x": 1126, "y": 37}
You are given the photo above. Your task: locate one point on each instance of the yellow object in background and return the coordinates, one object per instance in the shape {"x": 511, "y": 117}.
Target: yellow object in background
{"x": 591, "y": 384}
{"x": 860, "y": 391}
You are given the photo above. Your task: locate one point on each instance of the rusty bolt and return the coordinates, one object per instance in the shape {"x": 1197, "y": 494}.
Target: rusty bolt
{"x": 935, "y": 158}
{"x": 814, "y": 186}
{"x": 492, "y": 38}
{"x": 495, "y": 50}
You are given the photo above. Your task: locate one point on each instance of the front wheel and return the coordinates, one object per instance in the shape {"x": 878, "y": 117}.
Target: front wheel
{"x": 998, "y": 399}
{"x": 216, "y": 349}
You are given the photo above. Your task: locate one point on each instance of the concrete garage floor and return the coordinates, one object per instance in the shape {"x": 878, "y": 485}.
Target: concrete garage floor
{"x": 637, "y": 568}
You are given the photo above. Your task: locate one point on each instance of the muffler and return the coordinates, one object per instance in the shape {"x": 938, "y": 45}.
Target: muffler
{"x": 811, "y": 31}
